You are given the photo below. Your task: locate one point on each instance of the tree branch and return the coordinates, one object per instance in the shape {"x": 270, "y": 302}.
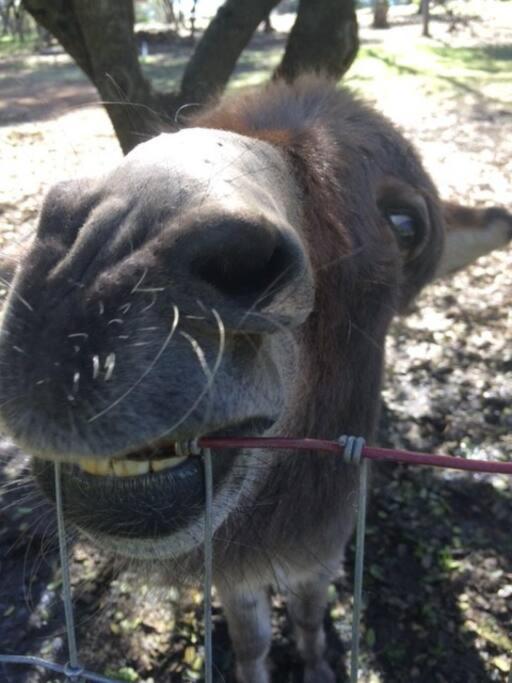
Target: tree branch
{"x": 216, "y": 54}
{"x": 324, "y": 38}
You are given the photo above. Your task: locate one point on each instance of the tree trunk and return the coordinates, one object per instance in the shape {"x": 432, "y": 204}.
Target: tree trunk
{"x": 99, "y": 35}
{"x": 131, "y": 103}
{"x": 425, "y": 10}
{"x": 380, "y": 13}
{"x": 323, "y": 39}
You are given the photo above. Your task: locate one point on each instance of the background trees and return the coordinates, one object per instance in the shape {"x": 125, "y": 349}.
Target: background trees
{"x": 100, "y": 37}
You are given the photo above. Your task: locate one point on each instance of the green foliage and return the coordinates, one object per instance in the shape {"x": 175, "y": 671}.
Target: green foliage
{"x": 465, "y": 60}
{"x": 482, "y": 72}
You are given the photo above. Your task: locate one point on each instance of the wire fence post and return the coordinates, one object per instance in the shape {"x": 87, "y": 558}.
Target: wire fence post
{"x": 208, "y": 565}
{"x": 358, "y": 569}
{"x": 73, "y": 668}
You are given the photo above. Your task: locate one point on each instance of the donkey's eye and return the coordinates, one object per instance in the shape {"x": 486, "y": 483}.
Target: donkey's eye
{"x": 407, "y": 228}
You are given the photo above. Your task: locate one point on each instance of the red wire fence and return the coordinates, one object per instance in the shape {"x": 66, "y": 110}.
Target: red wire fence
{"x": 368, "y": 452}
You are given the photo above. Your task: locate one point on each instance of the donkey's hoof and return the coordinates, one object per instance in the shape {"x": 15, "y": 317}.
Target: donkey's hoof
{"x": 320, "y": 673}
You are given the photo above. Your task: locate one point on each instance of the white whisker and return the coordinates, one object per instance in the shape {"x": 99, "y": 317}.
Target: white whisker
{"x": 213, "y": 372}
{"x": 15, "y": 293}
{"x": 146, "y": 371}
{"x": 140, "y": 281}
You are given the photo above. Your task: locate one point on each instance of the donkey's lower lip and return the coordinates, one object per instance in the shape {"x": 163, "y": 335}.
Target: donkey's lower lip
{"x": 148, "y": 505}
{"x": 149, "y": 496}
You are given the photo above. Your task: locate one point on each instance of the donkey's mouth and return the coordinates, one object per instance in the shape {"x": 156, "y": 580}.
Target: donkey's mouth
{"x": 144, "y": 494}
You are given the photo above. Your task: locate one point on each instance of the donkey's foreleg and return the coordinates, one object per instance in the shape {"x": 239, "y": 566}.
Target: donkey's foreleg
{"x": 248, "y": 617}
{"x": 307, "y": 602}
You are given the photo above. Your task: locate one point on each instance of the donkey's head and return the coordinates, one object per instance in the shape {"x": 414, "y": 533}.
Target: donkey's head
{"x": 236, "y": 277}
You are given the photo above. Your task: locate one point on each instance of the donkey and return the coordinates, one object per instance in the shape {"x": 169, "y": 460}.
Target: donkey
{"x": 237, "y": 277}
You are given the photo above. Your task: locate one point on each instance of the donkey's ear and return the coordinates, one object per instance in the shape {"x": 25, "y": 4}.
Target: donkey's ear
{"x": 471, "y": 233}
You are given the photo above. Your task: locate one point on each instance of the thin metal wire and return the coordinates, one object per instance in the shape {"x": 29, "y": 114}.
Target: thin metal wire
{"x": 57, "y": 668}
{"x": 66, "y": 581}
{"x": 72, "y": 670}
{"x": 358, "y": 569}
{"x": 208, "y": 565}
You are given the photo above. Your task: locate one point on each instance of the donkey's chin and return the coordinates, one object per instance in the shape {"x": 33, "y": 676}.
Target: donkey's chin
{"x": 149, "y": 503}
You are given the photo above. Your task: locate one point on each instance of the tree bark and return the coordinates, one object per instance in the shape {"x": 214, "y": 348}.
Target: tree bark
{"x": 324, "y": 38}
{"x": 217, "y": 53}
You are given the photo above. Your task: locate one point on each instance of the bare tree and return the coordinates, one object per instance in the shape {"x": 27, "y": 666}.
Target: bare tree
{"x": 100, "y": 37}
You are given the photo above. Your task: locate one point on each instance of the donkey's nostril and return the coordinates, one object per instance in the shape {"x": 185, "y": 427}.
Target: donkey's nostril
{"x": 247, "y": 261}
{"x": 245, "y": 275}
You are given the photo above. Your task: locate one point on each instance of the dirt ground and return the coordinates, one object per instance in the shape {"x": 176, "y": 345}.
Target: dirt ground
{"x": 438, "y": 579}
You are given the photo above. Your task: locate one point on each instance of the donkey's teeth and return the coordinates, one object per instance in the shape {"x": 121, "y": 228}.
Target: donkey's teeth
{"x": 127, "y": 468}
{"x": 94, "y": 466}
{"x": 159, "y": 465}
{"x": 130, "y": 468}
